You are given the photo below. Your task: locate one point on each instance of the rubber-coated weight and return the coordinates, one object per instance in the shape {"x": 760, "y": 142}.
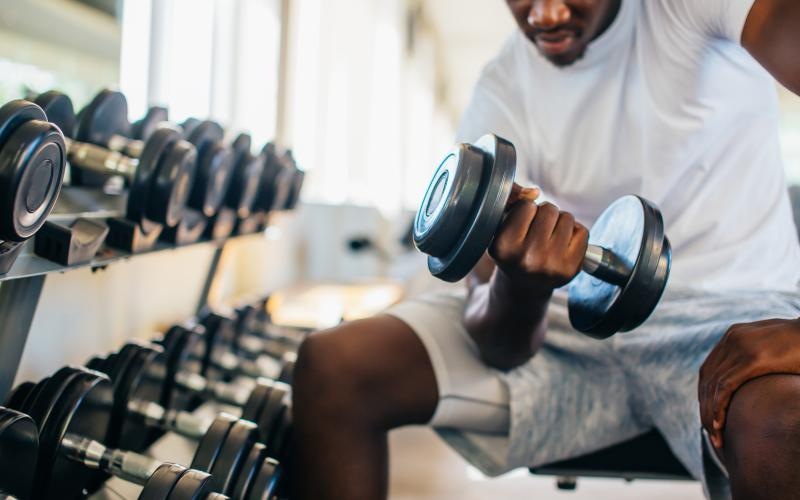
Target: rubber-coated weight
{"x": 19, "y": 440}
{"x": 172, "y": 184}
{"x": 240, "y": 439}
{"x": 104, "y": 117}
{"x": 250, "y": 469}
{"x": 209, "y": 447}
{"x": 193, "y": 485}
{"x": 162, "y": 482}
{"x": 32, "y": 166}
{"x": 59, "y": 110}
{"x": 152, "y": 120}
{"x": 154, "y": 151}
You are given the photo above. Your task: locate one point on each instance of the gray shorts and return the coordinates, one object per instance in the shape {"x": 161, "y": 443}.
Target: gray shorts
{"x": 579, "y": 395}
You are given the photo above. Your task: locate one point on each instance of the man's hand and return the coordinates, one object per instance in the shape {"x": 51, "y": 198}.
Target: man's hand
{"x": 747, "y": 351}
{"x": 538, "y": 248}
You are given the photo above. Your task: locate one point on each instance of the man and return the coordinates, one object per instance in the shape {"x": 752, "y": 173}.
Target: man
{"x": 665, "y": 98}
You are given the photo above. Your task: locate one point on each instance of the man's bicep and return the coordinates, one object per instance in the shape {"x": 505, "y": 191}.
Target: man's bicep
{"x": 772, "y": 35}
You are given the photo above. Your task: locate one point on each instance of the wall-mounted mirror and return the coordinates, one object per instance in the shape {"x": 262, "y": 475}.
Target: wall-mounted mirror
{"x": 71, "y": 45}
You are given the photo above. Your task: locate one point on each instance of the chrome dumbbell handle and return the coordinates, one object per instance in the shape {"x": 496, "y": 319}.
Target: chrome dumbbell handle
{"x": 606, "y": 266}
{"x": 126, "y": 146}
{"x": 91, "y": 157}
{"x": 126, "y": 465}
{"x": 180, "y": 422}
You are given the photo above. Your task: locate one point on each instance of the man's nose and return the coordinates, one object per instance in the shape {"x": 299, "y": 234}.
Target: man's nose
{"x": 547, "y": 14}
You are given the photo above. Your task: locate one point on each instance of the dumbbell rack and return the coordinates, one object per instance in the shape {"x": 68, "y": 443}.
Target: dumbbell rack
{"x": 21, "y": 287}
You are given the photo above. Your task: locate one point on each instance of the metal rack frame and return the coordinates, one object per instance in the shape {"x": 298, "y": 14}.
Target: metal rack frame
{"x": 21, "y": 287}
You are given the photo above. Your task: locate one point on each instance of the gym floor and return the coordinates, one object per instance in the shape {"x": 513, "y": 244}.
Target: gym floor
{"x": 423, "y": 467}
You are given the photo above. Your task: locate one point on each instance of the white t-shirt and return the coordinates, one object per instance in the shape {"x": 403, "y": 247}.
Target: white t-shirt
{"x": 668, "y": 105}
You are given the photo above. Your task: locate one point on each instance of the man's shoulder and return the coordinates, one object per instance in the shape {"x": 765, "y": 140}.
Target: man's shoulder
{"x": 501, "y": 71}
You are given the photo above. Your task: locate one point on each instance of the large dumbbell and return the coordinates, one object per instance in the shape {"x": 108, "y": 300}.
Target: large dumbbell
{"x": 32, "y": 165}
{"x": 160, "y": 180}
{"x": 175, "y": 482}
{"x": 625, "y": 267}
{"x": 71, "y": 410}
{"x": 19, "y": 449}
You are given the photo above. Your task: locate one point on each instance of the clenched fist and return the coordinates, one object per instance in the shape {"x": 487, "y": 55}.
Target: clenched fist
{"x": 538, "y": 248}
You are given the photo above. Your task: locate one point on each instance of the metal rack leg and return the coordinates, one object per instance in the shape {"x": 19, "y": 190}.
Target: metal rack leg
{"x": 212, "y": 274}
{"x": 18, "y": 301}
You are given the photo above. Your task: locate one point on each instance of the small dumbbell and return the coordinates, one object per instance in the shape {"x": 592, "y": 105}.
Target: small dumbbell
{"x": 160, "y": 179}
{"x": 104, "y": 122}
{"x": 265, "y": 402}
{"x": 71, "y": 410}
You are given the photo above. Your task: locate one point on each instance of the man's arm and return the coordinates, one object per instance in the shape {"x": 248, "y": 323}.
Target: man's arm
{"x": 747, "y": 351}
{"x": 772, "y": 35}
{"x": 536, "y": 249}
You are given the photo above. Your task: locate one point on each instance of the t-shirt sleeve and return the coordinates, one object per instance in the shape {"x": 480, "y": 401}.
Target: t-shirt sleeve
{"x": 496, "y": 109}
{"x": 714, "y": 18}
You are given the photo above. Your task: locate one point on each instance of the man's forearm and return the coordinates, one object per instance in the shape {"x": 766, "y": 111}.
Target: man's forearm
{"x": 507, "y": 325}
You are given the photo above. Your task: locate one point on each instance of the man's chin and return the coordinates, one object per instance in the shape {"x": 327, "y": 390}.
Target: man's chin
{"x": 565, "y": 58}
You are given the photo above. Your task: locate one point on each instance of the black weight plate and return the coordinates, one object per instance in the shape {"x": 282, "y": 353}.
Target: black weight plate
{"x": 15, "y": 113}
{"x": 244, "y": 184}
{"x": 268, "y": 183}
{"x": 256, "y": 401}
{"x": 283, "y": 435}
{"x": 210, "y": 445}
{"x": 18, "y": 395}
{"x": 172, "y": 184}
{"x": 136, "y": 434}
{"x": 265, "y": 484}
{"x": 193, "y": 485}
{"x": 250, "y": 469}
{"x": 124, "y": 430}
{"x": 144, "y": 128}
{"x": 180, "y": 361}
{"x": 104, "y": 117}
{"x": 243, "y": 144}
{"x": 297, "y": 188}
{"x": 281, "y": 188}
{"x": 162, "y": 482}
{"x": 241, "y": 438}
{"x": 212, "y": 179}
{"x": 188, "y": 126}
{"x": 59, "y": 110}
{"x": 84, "y": 413}
{"x": 96, "y": 363}
{"x": 486, "y": 214}
{"x": 19, "y": 442}
{"x": 155, "y": 149}
{"x": 269, "y": 418}
{"x": 205, "y": 134}
{"x": 31, "y": 397}
{"x": 32, "y": 166}
{"x": 634, "y": 231}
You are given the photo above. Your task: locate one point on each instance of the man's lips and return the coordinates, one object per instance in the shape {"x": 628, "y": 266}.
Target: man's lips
{"x": 555, "y": 42}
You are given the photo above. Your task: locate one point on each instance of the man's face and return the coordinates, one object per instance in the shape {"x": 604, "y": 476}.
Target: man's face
{"x": 562, "y": 29}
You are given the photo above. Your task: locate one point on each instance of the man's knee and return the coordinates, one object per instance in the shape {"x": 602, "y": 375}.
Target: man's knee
{"x": 372, "y": 371}
{"x": 762, "y": 438}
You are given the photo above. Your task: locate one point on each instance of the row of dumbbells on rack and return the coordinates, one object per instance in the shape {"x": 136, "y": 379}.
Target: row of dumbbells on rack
{"x": 184, "y": 183}
{"x": 64, "y": 436}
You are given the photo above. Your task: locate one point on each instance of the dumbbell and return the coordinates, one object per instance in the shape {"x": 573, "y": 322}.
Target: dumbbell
{"x": 625, "y": 268}
{"x": 235, "y": 352}
{"x": 175, "y": 482}
{"x": 32, "y": 165}
{"x": 71, "y": 410}
{"x": 264, "y": 402}
{"x": 104, "y": 122}
{"x": 136, "y": 412}
{"x": 19, "y": 448}
{"x": 160, "y": 180}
